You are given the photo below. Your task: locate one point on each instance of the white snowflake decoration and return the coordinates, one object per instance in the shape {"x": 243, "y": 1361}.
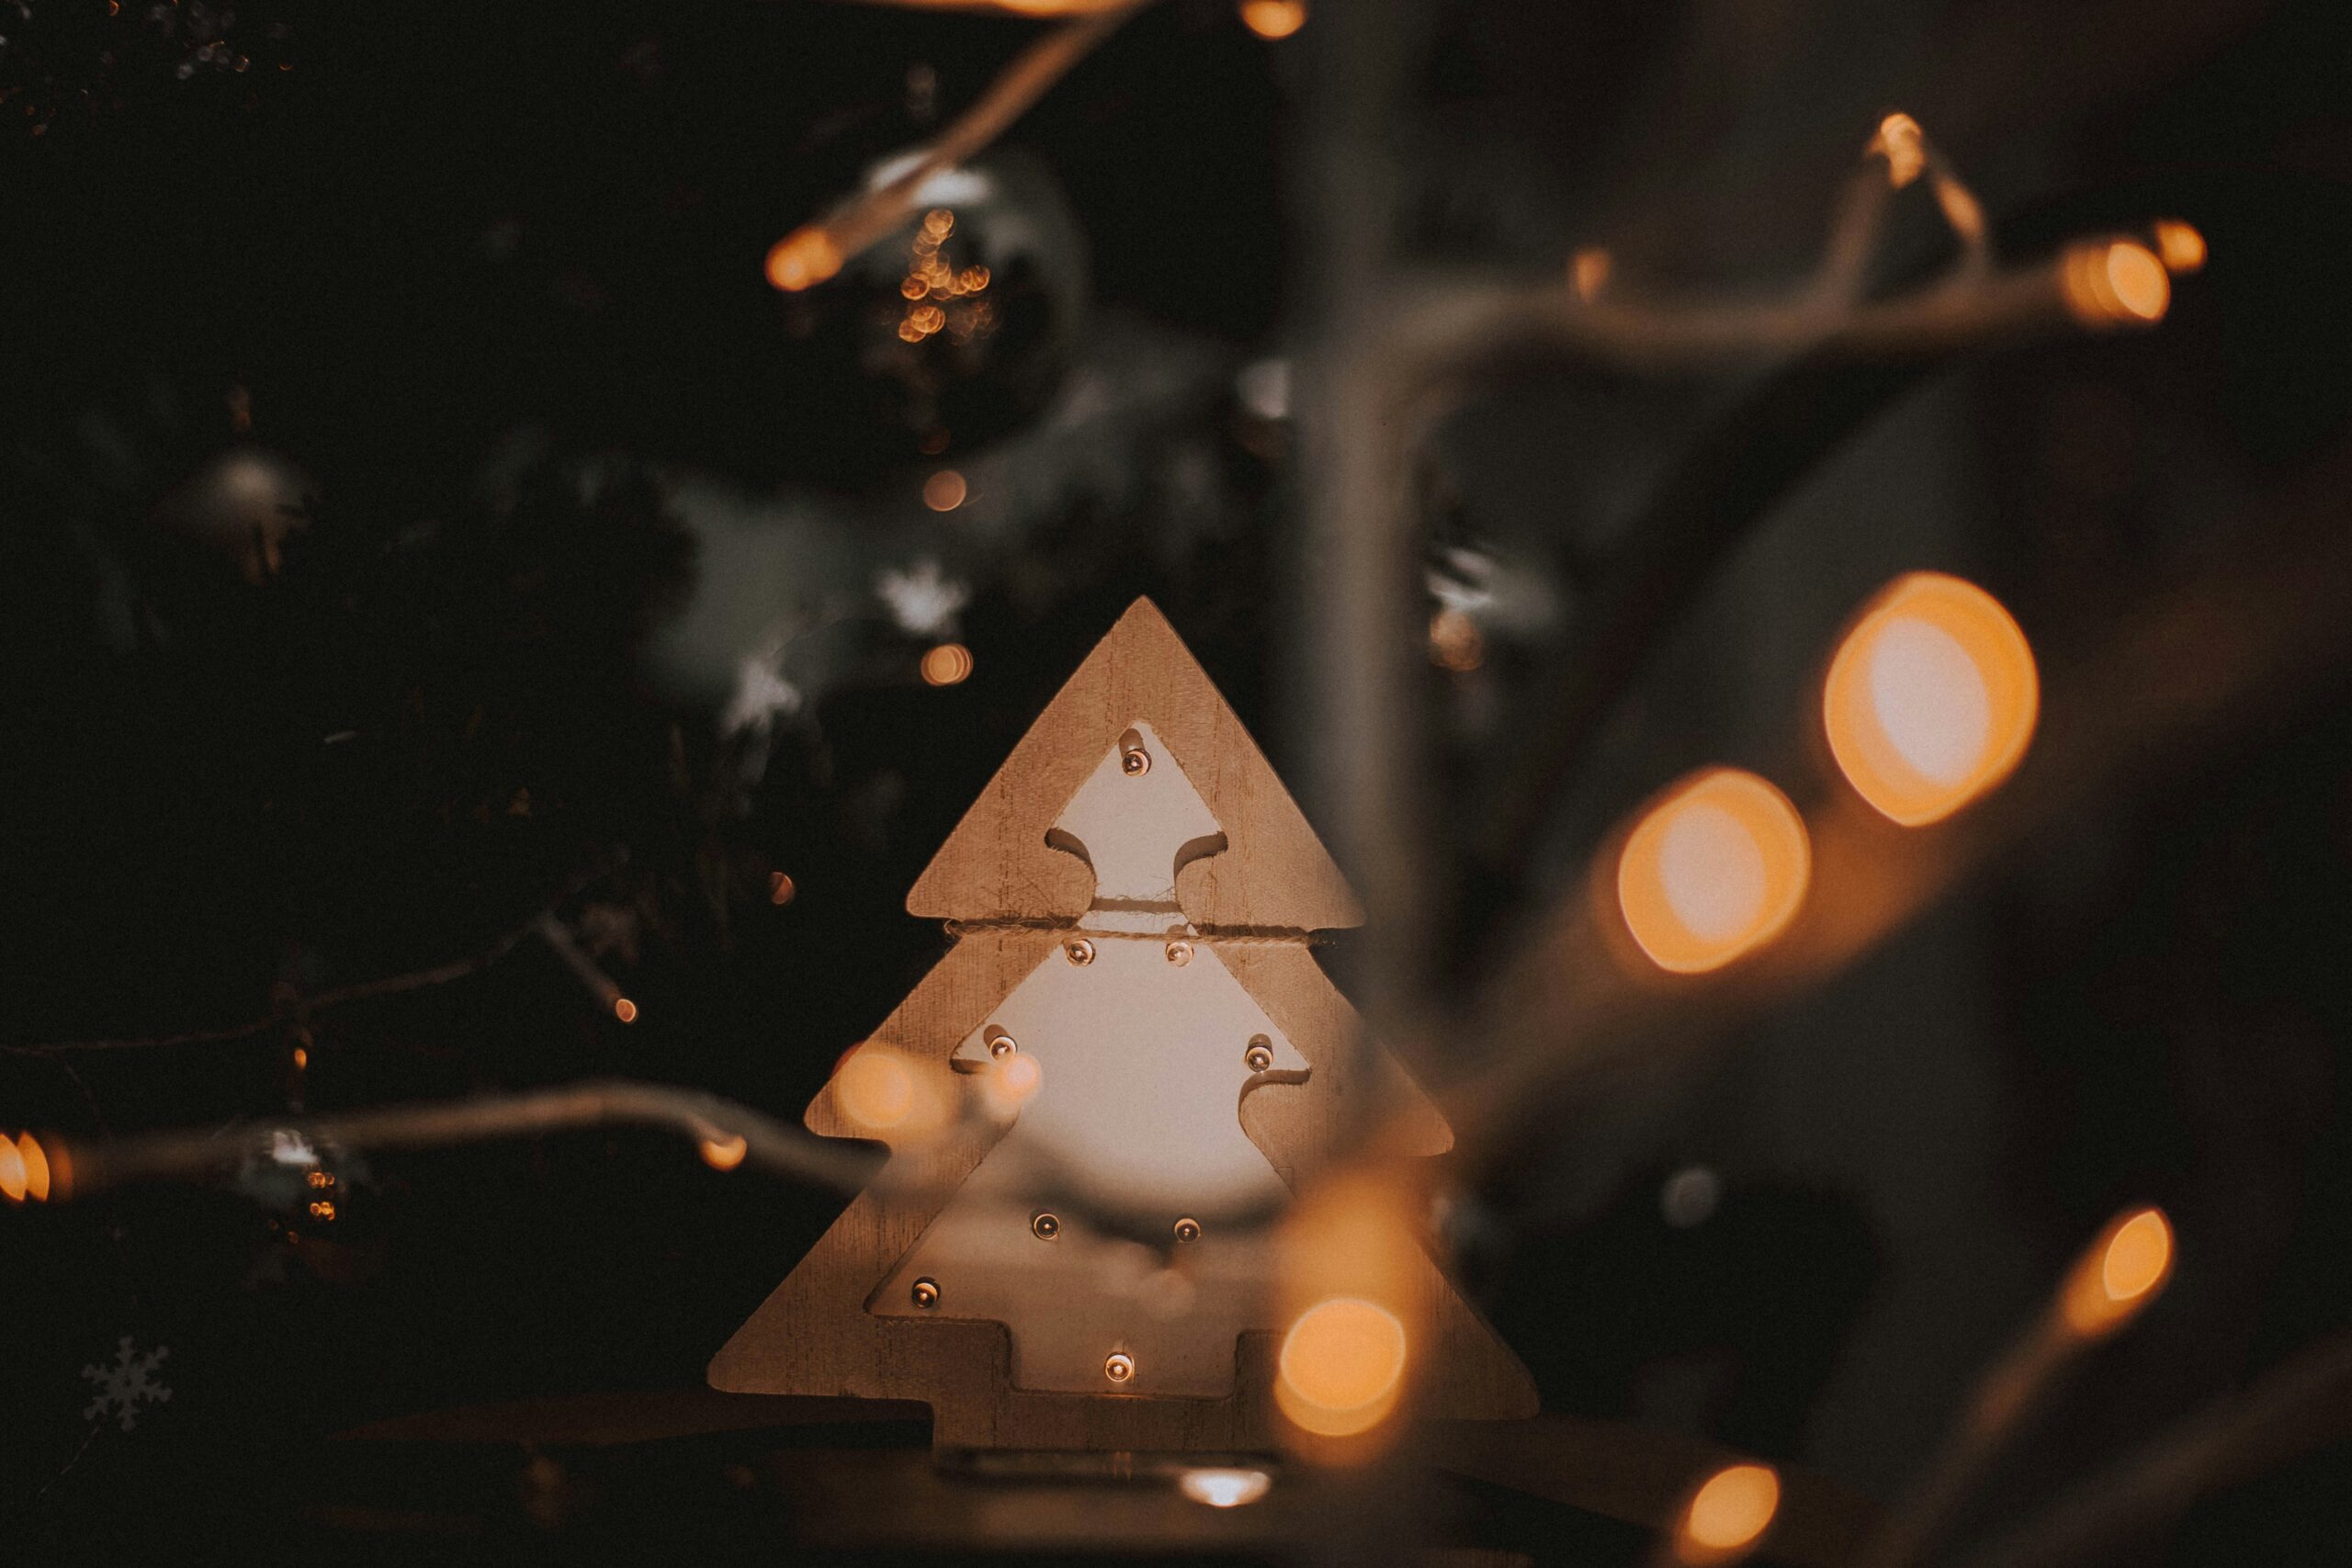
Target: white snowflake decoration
{"x": 922, "y": 601}
{"x": 761, "y": 693}
{"x": 127, "y": 1386}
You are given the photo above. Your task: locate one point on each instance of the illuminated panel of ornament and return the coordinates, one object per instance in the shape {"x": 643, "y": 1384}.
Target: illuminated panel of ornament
{"x": 1712, "y": 871}
{"x": 1931, "y": 698}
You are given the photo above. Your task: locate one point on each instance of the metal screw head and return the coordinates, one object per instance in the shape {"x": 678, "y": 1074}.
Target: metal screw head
{"x": 1001, "y": 1045}
{"x": 1180, "y": 953}
{"x": 1079, "y": 951}
{"x": 1188, "y": 1229}
{"x": 1135, "y": 762}
{"x": 1119, "y": 1366}
{"x": 1261, "y": 1054}
{"x": 926, "y": 1293}
{"x": 1045, "y": 1227}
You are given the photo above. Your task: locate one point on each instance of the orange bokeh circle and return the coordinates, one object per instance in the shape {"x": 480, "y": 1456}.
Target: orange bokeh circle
{"x": 1715, "y": 869}
{"x": 1931, "y": 698}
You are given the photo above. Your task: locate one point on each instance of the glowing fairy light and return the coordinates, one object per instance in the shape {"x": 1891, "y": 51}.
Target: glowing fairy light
{"x": 1456, "y": 642}
{"x": 1715, "y": 869}
{"x": 625, "y": 1010}
{"x": 1273, "y": 19}
{"x": 12, "y": 1185}
{"x": 781, "y": 889}
{"x": 1903, "y": 145}
{"x": 1011, "y": 1082}
{"x": 1342, "y": 1367}
{"x": 1224, "y": 1488}
{"x": 1727, "y": 1515}
{"x": 944, "y": 491}
{"x": 724, "y": 1153}
{"x": 2179, "y": 245}
{"x": 948, "y": 664}
{"x": 875, "y": 1088}
{"x": 1931, "y": 698}
{"x": 2118, "y": 1274}
{"x": 803, "y": 259}
{"x": 35, "y": 1161}
{"x": 1589, "y": 273}
{"x": 2118, "y": 281}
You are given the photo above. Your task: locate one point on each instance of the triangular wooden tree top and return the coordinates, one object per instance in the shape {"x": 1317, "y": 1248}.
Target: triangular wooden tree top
{"x": 997, "y": 864}
{"x": 938, "y": 1283}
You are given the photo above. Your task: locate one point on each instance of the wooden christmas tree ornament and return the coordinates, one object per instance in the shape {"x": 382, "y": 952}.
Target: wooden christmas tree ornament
{"x": 1100, "y": 1099}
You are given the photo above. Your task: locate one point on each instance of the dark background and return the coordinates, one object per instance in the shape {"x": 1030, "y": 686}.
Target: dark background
{"x": 480, "y": 286}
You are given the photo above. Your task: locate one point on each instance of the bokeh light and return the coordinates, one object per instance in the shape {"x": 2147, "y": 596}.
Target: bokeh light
{"x": 944, "y": 491}
{"x": 1011, "y": 1081}
{"x": 1728, "y": 1515}
{"x": 1273, "y": 19}
{"x": 875, "y": 1088}
{"x": 1715, "y": 869}
{"x": 625, "y": 1010}
{"x": 1904, "y": 147}
{"x": 803, "y": 259}
{"x": 2116, "y": 281}
{"x": 1224, "y": 1488}
{"x": 948, "y": 664}
{"x": 2118, "y": 1274}
{"x": 725, "y": 1153}
{"x": 781, "y": 889}
{"x": 1931, "y": 698}
{"x": 12, "y": 1172}
{"x": 35, "y": 1159}
{"x": 1342, "y": 1367}
{"x": 2181, "y": 246}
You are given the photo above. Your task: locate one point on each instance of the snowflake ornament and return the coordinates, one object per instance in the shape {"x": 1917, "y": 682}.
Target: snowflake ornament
{"x": 128, "y": 1385}
{"x": 922, "y": 600}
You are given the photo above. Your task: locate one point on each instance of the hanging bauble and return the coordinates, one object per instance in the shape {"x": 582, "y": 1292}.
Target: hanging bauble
{"x": 955, "y": 329}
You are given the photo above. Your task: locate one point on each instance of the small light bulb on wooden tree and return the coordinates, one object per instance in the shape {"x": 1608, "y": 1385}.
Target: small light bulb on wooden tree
{"x": 1931, "y": 698}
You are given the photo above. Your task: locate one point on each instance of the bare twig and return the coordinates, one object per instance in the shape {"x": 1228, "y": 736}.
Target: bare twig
{"x": 767, "y": 1142}
{"x": 819, "y": 249}
{"x": 2300, "y": 1407}
{"x": 296, "y": 1006}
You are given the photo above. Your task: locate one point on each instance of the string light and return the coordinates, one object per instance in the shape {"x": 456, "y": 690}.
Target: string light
{"x": 625, "y": 1010}
{"x": 803, "y": 259}
{"x": 2118, "y": 1274}
{"x": 2179, "y": 245}
{"x": 780, "y": 889}
{"x": 1011, "y": 1082}
{"x": 948, "y": 664}
{"x": 1589, "y": 273}
{"x": 875, "y": 1088}
{"x": 1273, "y": 19}
{"x": 1224, "y": 1488}
{"x": 1931, "y": 698}
{"x": 1456, "y": 642}
{"x": 34, "y": 1162}
{"x": 944, "y": 491}
{"x": 1715, "y": 869}
{"x": 1727, "y": 1515}
{"x": 1904, "y": 146}
{"x": 1342, "y": 1367}
{"x": 724, "y": 1153}
{"x": 13, "y": 1182}
{"x": 2116, "y": 281}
